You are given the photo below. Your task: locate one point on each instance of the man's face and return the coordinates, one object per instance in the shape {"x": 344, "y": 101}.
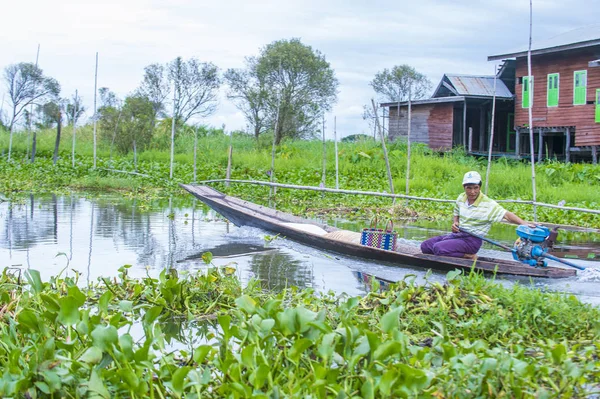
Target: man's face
{"x": 472, "y": 191}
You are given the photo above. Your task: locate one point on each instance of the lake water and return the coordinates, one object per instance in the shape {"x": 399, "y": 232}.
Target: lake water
{"x": 97, "y": 235}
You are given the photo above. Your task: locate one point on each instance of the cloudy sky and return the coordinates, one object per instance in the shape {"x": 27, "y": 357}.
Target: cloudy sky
{"x": 358, "y": 38}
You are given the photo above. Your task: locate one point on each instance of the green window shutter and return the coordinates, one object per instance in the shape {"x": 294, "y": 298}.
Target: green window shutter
{"x": 527, "y": 92}
{"x": 552, "y": 99}
{"x": 580, "y": 88}
{"x": 597, "y": 105}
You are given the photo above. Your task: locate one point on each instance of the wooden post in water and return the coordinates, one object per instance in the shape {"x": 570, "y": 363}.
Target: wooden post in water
{"x": 229, "y": 156}
{"x": 323, "y": 176}
{"x": 491, "y": 143}
{"x": 517, "y": 143}
{"x": 407, "y": 140}
{"x": 74, "y": 130}
{"x": 272, "y": 174}
{"x": 134, "y": 157}
{"x": 568, "y": 145}
{"x": 337, "y": 176}
{"x": 95, "y": 116}
{"x": 173, "y": 131}
{"x": 464, "y": 135}
{"x": 385, "y": 155}
{"x": 540, "y": 145}
{"x": 195, "y": 150}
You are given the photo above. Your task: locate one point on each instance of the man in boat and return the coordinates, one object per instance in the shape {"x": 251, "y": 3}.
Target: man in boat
{"x": 474, "y": 212}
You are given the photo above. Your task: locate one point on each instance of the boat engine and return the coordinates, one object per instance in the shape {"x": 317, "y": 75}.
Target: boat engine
{"x": 533, "y": 244}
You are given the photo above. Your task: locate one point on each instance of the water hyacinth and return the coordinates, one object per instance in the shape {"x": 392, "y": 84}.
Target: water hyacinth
{"x": 204, "y": 335}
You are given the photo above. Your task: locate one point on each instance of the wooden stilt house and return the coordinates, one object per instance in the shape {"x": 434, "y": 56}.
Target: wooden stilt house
{"x": 459, "y": 113}
{"x": 563, "y": 92}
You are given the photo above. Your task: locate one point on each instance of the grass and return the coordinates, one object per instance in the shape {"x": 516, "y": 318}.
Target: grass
{"x": 361, "y": 167}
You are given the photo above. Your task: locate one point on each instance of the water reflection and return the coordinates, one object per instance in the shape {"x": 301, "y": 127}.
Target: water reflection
{"x": 97, "y": 236}
{"x": 279, "y": 270}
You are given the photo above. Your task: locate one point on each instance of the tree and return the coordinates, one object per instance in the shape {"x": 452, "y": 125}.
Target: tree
{"x": 396, "y": 84}
{"x": 155, "y": 87}
{"x": 196, "y": 85}
{"x": 301, "y": 86}
{"x": 27, "y": 85}
{"x": 136, "y": 126}
{"x": 74, "y": 109}
{"x": 109, "y": 115}
{"x": 249, "y": 94}
{"x": 52, "y": 114}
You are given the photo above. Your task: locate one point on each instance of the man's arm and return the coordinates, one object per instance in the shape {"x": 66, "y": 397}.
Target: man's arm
{"x": 511, "y": 217}
{"x": 455, "y": 224}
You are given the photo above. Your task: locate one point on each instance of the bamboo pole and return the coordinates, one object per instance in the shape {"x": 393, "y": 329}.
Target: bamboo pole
{"x": 470, "y": 146}
{"x": 173, "y": 131}
{"x": 337, "y": 175}
{"x": 74, "y": 129}
{"x": 530, "y": 84}
{"x": 95, "y": 109}
{"x": 385, "y": 155}
{"x": 407, "y": 138}
{"x": 491, "y": 143}
{"x": 272, "y": 174}
{"x": 229, "y": 155}
{"x": 195, "y": 150}
{"x": 388, "y": 195}
{"x": 324, "y": 174}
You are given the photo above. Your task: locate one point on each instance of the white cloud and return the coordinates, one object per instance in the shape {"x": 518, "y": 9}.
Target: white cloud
{"x": 357, "y": 38}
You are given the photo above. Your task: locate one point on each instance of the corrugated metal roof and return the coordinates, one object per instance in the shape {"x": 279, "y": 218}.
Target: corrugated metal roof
{"x": 467, "y": 85}
{"x": 577, "y": 38}
{"x": 425, "y": 101}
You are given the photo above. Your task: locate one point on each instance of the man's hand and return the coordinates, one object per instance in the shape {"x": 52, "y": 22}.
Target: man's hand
{"x": 455, "y": 227}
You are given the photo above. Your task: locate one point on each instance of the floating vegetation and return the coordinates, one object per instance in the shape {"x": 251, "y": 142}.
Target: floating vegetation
{"x": 469, "y": 337}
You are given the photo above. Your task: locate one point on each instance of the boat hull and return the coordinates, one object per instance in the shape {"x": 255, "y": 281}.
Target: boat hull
{"x": 245, "y": 213}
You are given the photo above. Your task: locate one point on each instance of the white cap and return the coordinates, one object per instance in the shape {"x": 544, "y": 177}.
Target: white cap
{"x": 472, "y": 177}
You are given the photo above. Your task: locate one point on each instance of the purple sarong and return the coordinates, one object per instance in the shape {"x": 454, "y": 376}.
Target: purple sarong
{"x": 453, "y": 244}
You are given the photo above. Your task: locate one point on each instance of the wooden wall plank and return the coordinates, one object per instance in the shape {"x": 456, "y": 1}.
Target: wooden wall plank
{"x": 587, "y": 131}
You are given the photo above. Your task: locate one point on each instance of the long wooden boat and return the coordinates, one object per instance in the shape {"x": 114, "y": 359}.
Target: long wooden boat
{"x": 245, "y": 213}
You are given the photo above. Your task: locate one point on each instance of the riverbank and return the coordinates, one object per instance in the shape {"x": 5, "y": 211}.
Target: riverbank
{"x": 361, "y": 167}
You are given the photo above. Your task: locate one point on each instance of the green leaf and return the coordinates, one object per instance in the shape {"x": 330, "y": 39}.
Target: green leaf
{"x": 207, "y": 257}
{"x": 93, "y": 355}
{"x": 298, "y": 348}
{"x": 391, "y": 320}
{"x": 246, "y": 303}
{"x": 129, "y": 377}
{"x": 201, "y": 352}
{"x": 104, "y": 301}
{"x": 453, "y": 275}
{"x": 69, "y": 310}
{"x": 97, "y": 386}
{"x": 367, "y": 389}
{"x": 77, "y": 295}
{"x": 152, "y": 313}
{"x": 559, "y": 353}
{"x": 248, "y": 356}
{"x": 327, "y": 346}
{"x": 29, "y": 320}
{"x": 387, "y": 349}
{"x": 126, "y": 306}
{"x": 104, "y": 337}
{"x": 34, "y": 280}
{"x": 260, "y": 376}
{"x": 178, "y": 379}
